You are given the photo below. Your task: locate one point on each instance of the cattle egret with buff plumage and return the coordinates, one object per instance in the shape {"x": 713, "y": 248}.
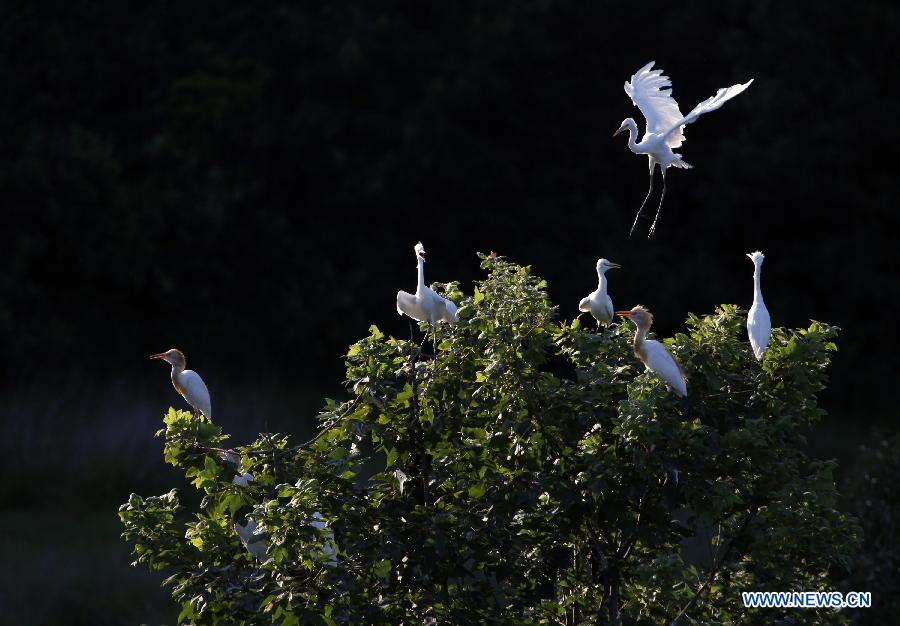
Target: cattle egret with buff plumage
{"x": 187, "y": 382}
{"x": 653, "y": 354}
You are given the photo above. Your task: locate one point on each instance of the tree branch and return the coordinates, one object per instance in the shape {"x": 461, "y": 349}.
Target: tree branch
{"x": 714, "y": 570}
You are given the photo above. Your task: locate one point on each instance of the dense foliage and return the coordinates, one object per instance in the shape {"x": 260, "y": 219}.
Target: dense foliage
{"x": 529, "y": 472}
{"x": 871, "y": 494}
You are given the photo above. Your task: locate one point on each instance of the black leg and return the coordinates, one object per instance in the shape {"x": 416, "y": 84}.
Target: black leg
{"x": 647, "y": 197}
{"x": 658, "y": 210}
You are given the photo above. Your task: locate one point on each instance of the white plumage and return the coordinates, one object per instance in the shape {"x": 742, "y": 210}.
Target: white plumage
{"x": 425, "y": 305}
{"x": 653, "y": 354}
{"x": 187, "y": 382}
{"x": 651, "y": 92}
{"x": 759, "y": 325}
{"x": 255, "y": 539}
{"x": 242, "y": 480}
{"x": 598, "y": 303}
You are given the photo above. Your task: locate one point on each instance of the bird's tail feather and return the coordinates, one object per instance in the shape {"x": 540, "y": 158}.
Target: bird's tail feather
{"x": 681, "y": 163}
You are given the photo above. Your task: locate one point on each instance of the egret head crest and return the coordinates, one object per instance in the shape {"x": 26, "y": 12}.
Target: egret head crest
{"x": 420, "y": 250}
{"x": 757, "y": 257}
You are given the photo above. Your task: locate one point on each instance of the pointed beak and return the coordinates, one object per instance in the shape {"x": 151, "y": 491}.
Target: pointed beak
{"x": 621, "y": 128}
{"x": 161, "y": 356}
{"x": 614, "y": 266}
{"x": 624, "y": 313}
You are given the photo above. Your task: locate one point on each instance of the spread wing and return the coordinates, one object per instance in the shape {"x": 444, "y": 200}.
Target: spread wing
{"x": 585, "y": 304}
{"x": 651, "y": 92}
{"x": 448, "y": 313}
{"x": 408, "y": 304}
{"x": 712, "y": 103}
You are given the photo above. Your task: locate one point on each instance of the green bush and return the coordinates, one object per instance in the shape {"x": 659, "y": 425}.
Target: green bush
{"x": 531, "y": 472}
{"x": 871, "y": 490}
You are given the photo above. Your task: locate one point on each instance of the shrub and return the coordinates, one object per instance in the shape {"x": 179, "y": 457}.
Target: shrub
{"x": 529, "y": 472}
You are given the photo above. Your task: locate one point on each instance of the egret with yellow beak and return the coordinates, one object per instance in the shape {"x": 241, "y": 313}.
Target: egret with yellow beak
{"x": 187, "y": 382}
{"x": 653, "y": 354}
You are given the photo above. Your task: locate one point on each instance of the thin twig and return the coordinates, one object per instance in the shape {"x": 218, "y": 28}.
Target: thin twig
{"x": 714, "y": 570}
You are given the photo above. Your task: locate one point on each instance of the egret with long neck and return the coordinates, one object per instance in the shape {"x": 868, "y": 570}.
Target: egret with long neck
{"x": 651, "y": 92}
{"x": 187, "y": 382}
{"x": 759, "y": 325}
{"x": 425, "y": 305}
{"x": 598, "y": 303}
{"x": 653, "y": 354}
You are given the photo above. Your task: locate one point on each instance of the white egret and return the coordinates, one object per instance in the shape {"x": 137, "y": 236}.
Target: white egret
{"x": 651, "y": 92}
{"x": 426, "y": 305}
{"x": 255, "y": 539}
{"x": 759, "y": 325}
{"x": 187, "y": 382}
{"x": 653, "y": 354}
{"x": 598, "y": 303}
{"x": 242, "y": 480}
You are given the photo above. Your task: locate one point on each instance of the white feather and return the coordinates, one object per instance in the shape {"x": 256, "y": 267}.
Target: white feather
{"x": 426, "y": 305}
{"x": 651, "y": 92}
{"x": 255, "y": 539}
{"x": 759, "y": 325}
{"x": 195, "y": 392}
{"x": 663, "y": 364}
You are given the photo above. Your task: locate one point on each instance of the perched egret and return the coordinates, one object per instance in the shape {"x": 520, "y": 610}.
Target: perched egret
{"x": 255, "y": 538}
{"x": 426, "y": 305}
{"x": 598, "y": 303}
{"x": 651, "y": 92}
{"x": 187, "y": 382}
{"x": 759, "y": 326}
{"x": 242, "y": 480}
{"x": 653, "y": 354}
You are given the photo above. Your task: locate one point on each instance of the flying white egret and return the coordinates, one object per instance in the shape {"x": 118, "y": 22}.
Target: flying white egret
{"x": 653, "y": 354}
{"x": 650, "y": 91}
{"x": 598, "y": 303}
{"x": 426, "y": 305}
{"x": 255, "y": 539}
{"x": 759, "y": 325}
{"x": 187, "y": 382}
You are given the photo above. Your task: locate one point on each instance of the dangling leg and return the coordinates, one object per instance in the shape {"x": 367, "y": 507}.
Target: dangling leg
{"x": 658, "y": 210}
{"x": 647, "y": 197}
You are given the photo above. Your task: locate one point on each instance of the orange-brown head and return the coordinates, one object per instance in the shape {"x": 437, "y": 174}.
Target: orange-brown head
{"x": 641, "y": 317}
{"x": 173, "y": 357}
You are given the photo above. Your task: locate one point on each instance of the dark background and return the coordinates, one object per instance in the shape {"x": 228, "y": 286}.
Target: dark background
{"x": 246, "y": 183}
